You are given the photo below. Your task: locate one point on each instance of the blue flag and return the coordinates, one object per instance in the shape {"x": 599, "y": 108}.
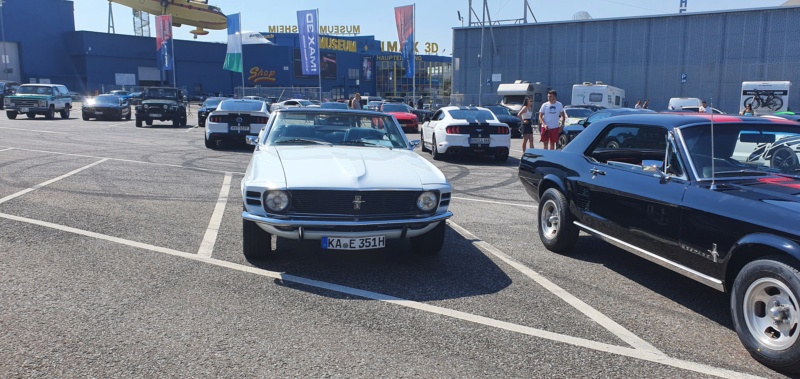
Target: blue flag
{"x": 307, "y": 26}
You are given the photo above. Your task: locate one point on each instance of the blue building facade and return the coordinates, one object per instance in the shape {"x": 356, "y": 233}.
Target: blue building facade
{"x": 89, "y": 62}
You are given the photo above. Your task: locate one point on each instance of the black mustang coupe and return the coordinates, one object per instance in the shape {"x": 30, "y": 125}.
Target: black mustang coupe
{"x": 715, "y": 198}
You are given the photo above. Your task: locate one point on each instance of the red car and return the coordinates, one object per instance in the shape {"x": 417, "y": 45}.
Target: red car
{"x": 403, "y": 114}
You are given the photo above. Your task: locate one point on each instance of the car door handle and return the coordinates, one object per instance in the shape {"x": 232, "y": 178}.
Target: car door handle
{"x": 595, "y": 171}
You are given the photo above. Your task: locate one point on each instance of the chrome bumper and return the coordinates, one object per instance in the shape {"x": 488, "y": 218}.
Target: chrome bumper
{"x": 314, "y": 230}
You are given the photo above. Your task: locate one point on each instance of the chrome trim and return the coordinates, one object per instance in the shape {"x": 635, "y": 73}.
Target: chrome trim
{"x": 661, "y": 261}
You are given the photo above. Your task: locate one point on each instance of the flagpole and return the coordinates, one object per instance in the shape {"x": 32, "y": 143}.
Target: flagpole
{"x": 172, "y": 43}
{"x": 319, "y": 58}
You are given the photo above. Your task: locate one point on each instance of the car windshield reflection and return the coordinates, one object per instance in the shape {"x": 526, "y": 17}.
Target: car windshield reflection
{"x": 335, "y": 128}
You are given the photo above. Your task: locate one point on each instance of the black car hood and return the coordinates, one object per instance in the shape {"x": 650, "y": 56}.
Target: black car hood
{"x": 776, "y": 190}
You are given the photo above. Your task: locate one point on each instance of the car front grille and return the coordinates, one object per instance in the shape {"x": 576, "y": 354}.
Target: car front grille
{"x": 355, "y": 203}
{"x": 406, "y": 122}
{"x": 26, "y": 103}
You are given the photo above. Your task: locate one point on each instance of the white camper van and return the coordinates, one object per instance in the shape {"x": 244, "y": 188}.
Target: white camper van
{"x": 514, "y": 95}
{"x": 600, "y": 94}
{"x": 677, "y": 103}
{"x": 765, "y": 97}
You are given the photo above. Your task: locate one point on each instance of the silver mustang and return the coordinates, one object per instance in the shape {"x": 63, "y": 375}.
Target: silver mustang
{"x": 347, "y": 178}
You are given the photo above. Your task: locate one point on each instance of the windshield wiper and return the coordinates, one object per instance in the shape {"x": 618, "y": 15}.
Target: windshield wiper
{"x": 742, "y": 173}
{"x": 303, "y": 140}
{"x": 362, "y": 143}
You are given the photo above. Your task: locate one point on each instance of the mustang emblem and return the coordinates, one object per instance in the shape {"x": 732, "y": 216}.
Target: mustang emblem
{"x": 239, "y": 121}
{"x": 357, "y": 203}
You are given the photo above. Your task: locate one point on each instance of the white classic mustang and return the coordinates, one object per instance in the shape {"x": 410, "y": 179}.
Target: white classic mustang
{"x": 347, "y": 178}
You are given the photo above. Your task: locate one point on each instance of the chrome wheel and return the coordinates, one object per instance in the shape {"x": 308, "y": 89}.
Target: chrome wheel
{"x": 770, "y": 312}
{"x": 550, "y": 219}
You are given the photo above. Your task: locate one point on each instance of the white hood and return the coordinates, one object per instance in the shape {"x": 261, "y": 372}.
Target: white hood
{"x": 347, "y": 167}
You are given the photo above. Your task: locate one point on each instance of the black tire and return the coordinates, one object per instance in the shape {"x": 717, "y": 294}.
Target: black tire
{"x": 148, "y": 122}
{"x": 782, "y": 157}
{"x": 764, "y": 290}
{"x": 210, "y": 143}
{"x": 256, "y": 243}
{"x": 556, "y": 230}
{"x": 85, "y": 117}
{"x": 563, "y": 140}
{"x": 183, "y": 120}
{"x": 501, "y": 158}
{"x": 11, "y": 115}
{"x": 138, "y": 123}
{"x": 64, "y": 113}
{"x": 435, "y": 154}
{"x": 128, "y": 116}
{"x": 754, "y": 102}
{"x": 176, "y": 122}
{"x": 51, "y": 113}
{"x": 30, "y": 115}
{"x": 429, "y": 243}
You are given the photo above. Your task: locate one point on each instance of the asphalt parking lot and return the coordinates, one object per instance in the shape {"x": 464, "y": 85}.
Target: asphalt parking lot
{"x": 120, "y": 256}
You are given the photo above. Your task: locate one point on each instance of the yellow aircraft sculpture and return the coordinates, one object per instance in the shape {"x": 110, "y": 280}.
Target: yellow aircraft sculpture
{"x": 196, "y": 13}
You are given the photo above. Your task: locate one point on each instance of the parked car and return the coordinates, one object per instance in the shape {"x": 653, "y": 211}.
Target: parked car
{"x": 408, "y": 121}
{"x": 7, "y": 87}
{"x": 161, "y": 104}
{"x": 576, "y": 114}
{"x": 35, "y": 99}
{"x": 208, "y": 106}
{"x": 136, "y": 98}
{"x": 333, "y": 105}
{"x": 465, "y": 130}
{"x": 374, "y": 105}
{"x": 233, "y": 120}
{"x": 694, "y": 108}
{"x": 291, "y": 103}
{"x": 504, "y": 115}
{"x": 684, "y": 195}
{"x": 347, "y": 178}
{"x": 569, "y": 132}
{"x": 121, "y": 93}
{"x": 106, "y": 107}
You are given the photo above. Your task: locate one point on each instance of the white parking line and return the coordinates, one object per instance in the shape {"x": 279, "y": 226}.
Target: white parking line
{"x": 127, "y": 160}
{"x": 7, "y": 149}
{"x": 607, "y": 323}
{"x": 32, "y": 130}
{"x": 210, "y": 238}
{"x": 496, "y": 202}
{"x": 40, "y": 185}
{"x": 642, "y": 354}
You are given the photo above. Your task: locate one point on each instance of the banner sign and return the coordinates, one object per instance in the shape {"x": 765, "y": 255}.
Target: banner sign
{"x": 164, "y": 42}
{"x": 233, "y": 57}
{"x": 309, "y": 41}
{"x": 404, "y": 16}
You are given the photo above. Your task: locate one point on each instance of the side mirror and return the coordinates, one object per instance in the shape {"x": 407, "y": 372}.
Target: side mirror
{"x": 414, "y": 144}
{"x": 252, "y": 140}
{"x": 582, "y": 123}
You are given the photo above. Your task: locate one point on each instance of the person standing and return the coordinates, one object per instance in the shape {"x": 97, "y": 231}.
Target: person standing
{"x": 704, "y": 108}
{"x": 420, "y": 103}
{"x": 526, "y": 115}
{"x": 357, "y": 101}
{"x": 748, "y": 111}
{"x": 551, "y": 117}
{"x": 644, "y": 106}
{"x": 638, "y": 104}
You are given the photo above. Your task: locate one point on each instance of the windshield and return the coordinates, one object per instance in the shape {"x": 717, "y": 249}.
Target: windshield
{"x": 498, "y": 110}
{"x": 120, "y": 93}
{"x": 514, "y": 99}
{"x": 161, "y": 93}
{"x": 578, "y": 112}
{"x": 394, "y": 108}
{"x": 212, "y": 103}
{"x": 35, "y": 90}
{"x": 333, "y": 105}
{"x": 335, "y": 128}
{"x": 240, "y": 105}
{"x": 743, "y": 149}
{"x": 105, "y": 99}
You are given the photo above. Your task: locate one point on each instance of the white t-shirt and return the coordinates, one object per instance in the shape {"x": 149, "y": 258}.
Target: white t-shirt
{"x": 551, "y": 114}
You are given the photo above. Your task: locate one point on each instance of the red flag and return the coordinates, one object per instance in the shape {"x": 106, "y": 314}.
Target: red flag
{"x": 163, "y": 30}
{"x": 404, "y": 16}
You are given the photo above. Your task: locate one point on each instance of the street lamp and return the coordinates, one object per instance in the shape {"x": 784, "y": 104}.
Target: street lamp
{"x": 3, "y": 32}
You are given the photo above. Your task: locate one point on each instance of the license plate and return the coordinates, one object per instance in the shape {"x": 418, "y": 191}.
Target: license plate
{"x": 479, "y": 140}
{"x": 98, "y": 112}
{"x": 24, "y": 110}
{"x": 361, "y": 243}
{"x": 155, "y": 114}
{"x": 240, "y": 128}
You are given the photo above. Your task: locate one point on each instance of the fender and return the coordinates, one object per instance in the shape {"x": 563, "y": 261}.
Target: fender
{"x": 549, "y": 181}
{"x": 776, "y": 242}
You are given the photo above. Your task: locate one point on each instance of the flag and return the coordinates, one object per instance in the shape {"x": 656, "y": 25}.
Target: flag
{"x": 404, "y": 16}
{"x": 233, "y": 59}
{"x": 309, "y": 41}
{"x": 163, "y": 42}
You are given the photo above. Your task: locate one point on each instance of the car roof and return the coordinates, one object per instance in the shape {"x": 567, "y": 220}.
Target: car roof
{"x": 329, "y": 110}
{"x": 672, "y": 120}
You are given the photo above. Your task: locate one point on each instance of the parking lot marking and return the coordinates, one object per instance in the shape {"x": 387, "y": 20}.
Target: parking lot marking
{"x": 497, "y": 202}
{"x": 32, "y": 130}
{"x": 127, "y": 160}
{"x": 604, "y": 321}
{"x": 7, "y": 149}
{"x": 210, "y": 238}
{"x": 40, "y": 185}
{"x": 641, "y": 354}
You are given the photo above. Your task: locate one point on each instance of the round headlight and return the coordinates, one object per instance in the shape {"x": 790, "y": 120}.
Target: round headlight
{"x": 145, "y": 106}
{"x": 276, "y": 201}
{"x": 427, "y": 201}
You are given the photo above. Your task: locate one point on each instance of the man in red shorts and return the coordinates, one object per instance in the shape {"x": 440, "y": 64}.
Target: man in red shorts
{"x": 551, "y": 117}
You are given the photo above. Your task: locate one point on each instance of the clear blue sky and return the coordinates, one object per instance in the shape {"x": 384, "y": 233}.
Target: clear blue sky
{"x": 435, "y": 18}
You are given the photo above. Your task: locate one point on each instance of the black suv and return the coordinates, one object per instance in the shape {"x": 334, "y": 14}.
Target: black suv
{"x": 162, "y": 104}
